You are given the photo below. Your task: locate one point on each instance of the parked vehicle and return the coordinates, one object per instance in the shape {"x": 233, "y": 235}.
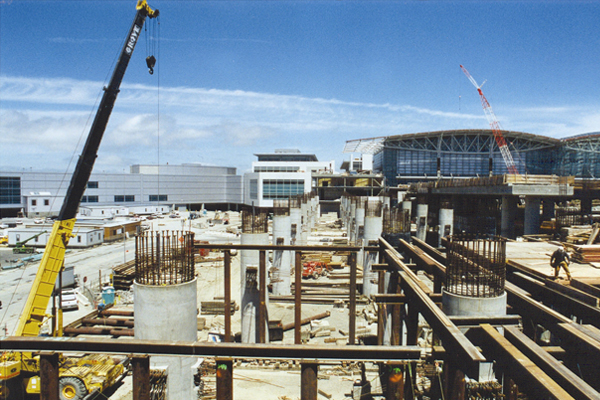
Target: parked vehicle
{"x": 69, "y": 300}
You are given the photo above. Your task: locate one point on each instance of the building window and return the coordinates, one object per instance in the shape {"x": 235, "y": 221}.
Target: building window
{"x": 10, "y": 190}
{"x": 46, "y": 202}
{"x": 92, "y": 185}
{"x": 275, "y": 168}
{"x": 78, "y": 239}
{"x": 129, "y": 198}
{"x": 254, "y": 189}
{"x": 157, "y": 197}
{"x": 89, "y": 199}
{"x": 119, "y": 199}
{"x": 282, "y": 188}
{"x": 34, "y": 202}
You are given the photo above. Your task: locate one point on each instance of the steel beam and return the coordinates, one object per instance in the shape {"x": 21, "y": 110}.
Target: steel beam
{"x": 556, "y": 370}
{"x": 530, "y": 378}
{"x": 204, "y": 349}
{"x": 48, "y": 376}
{"x": 224, "y": 378}
{"x": 271, "y": 247}
{"x": 453, "y": 339}
{"x": 141, "y": 377}
{"x": 309, "y": 385}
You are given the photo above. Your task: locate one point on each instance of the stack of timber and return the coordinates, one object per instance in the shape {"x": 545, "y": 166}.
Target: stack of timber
{"x": 123, "y": 275}
{"x": 216, "y": 307}
{"x": 580, "y": 234}
{"x": 589, "y": 253}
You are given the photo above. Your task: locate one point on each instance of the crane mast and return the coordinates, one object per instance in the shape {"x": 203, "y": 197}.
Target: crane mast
{"x": 495, "y": 125}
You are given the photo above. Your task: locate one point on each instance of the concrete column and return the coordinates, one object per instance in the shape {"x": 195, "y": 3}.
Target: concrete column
{"x": 446, "y": 218}
{"x": 359, "y": 222}
{"x": 509, "y": 215}
{"x": 373, "y": 229}
{"x": 407, "y": 205}
{"x": 280, "y": 276}
{"x": 249, "y": 289}
{"x": 169, "y": 313}
{"x": 296, "y": 225}
{"x": 532, "y": 215}
{"x": 422, "y": 214}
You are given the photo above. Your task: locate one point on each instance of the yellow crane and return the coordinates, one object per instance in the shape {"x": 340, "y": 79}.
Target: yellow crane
{"x": 80, "y": 376}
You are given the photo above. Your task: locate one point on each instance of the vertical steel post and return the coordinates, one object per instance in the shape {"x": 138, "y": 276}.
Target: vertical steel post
{"x": 412, "y": 325}
{"x": 141, "y": 377}
{"x": 381, "y": 309}
{"x": 224, "y": 378}
{"x": 309, "y": 387}
{"x": 262, "y": 302}
{"x": 352, "y": 304}
{"x": 395, "y": 381}
{"x": 48, "y": 376}
{"x": 298, "y": 298}
{"x": 454, "y": 378}
{"x": 227, "y": 294}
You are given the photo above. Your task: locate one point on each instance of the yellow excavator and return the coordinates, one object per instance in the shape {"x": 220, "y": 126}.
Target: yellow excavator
{"x": 79, "y": 377}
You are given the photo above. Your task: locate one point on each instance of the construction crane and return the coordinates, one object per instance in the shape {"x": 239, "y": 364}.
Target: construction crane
{"x": 495, "y": 125}
{"x": 82, "y": 376}
{"x": 21, "y": 248}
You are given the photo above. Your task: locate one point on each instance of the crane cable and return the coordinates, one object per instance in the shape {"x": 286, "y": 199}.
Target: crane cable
{"x": 152, "y": 32}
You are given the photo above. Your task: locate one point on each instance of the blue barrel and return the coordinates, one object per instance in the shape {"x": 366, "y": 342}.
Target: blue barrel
{"x": 108, "y": 295}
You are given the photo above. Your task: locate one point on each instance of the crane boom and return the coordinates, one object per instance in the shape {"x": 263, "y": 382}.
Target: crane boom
{"x": 495, "y": 125}
{"x": 52, "y": 261}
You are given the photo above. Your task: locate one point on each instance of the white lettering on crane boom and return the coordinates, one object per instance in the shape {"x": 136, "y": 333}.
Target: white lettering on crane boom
{"x": 135, "y": 34}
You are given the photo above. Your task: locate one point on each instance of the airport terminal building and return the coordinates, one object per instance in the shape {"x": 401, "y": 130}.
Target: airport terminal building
{"x": 473, "y": 152}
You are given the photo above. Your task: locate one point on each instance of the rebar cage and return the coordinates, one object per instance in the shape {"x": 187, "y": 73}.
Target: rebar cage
{"x": 164, "y": 258}
{"x": 476, "y": 265}
{"x": 281, "y": 207}
{"x": 254, "y": 221}
{"x": 396, "y": 220}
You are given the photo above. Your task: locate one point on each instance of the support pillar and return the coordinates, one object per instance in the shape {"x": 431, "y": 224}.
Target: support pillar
{"x": 532, "y": 215}
{"x": 352, "y": 302}
{"x": 309, "y": 386}
{"x": 140, "y": 365}
{"x": 48, "y": 376}
{"x": 394, "y": 389}
{"x": 455, "y": 388}
{"x": 227, "y": 294}
{"x": 446, "y": 220}
{"x": 422, "y": 211}
{"x": 548, "y": 209}
{"x": 224, "y": 378}
{"x": 298, "y": 298}
{"x": 509, "y": 215}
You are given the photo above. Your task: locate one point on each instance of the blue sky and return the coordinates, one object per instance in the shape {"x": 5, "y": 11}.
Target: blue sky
{"x": 235, "y": 78}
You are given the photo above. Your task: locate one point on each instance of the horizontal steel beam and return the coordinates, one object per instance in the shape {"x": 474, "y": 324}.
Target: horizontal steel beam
{"x": 529, "y": 377}
{"x": 204, "y": 349}
{"x": 566, "y": 378}
{"x": 282, "y": 247}
{"x": 453, "y": 339}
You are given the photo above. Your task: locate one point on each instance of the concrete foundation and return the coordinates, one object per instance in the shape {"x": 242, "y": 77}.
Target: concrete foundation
{"x": 457, "y": 305}
{"x": 169, "y": 313}
{"x": 373, "y": 229}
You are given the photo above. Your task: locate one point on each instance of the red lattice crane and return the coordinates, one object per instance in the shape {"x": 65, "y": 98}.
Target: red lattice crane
{"x": 495, "y": 125}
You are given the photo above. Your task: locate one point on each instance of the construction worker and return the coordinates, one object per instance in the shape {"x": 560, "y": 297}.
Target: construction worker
{"x": 560, "y": 258}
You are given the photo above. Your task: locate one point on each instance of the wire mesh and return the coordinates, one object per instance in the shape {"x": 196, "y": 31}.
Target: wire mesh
{"x": 164, "y": 258}
{"x": 476, "y": 265}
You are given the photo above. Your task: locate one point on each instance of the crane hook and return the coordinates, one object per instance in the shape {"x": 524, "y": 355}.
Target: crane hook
{"x": 150, "y": 62}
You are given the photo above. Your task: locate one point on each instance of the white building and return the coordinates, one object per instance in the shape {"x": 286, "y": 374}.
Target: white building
{"x": 280, "y": 175}
{"x": 41, "y": 194}
{"x": 85, "y": 236}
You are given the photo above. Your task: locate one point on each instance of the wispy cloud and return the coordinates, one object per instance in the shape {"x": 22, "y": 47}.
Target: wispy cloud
{"x": 224, "y": 127}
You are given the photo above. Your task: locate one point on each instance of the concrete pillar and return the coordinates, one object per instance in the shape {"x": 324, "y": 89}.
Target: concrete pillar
{"x": 280, "y": 275}
{"x": 169, "y": 313}
{"x": 532, "y": 215}
{"x": 373, "y": 229}
{"x": 359, "y": 223}
{"x": 446, "y": 218}
{"x": 407, "y": 205}
{"x": 422, "y": 214}
{"x": 295, "y": 225}
{"x": 249, "y": 289}
{"x": 509, "y": 215}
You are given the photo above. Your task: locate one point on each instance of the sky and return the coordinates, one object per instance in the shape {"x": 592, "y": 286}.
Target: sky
{"x": 237, "y": 78}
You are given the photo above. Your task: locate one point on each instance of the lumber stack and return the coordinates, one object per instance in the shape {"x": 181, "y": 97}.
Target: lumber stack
{"x": 587, "y": 253}
{"x": 123, "y": 275}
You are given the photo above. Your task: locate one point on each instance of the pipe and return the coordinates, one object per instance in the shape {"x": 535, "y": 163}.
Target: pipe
{"x": 305, "y": 321}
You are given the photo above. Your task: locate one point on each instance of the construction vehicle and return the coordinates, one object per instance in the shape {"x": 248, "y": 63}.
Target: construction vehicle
{"x": 20, "y": 247}
{"x": 78, "y": 376}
